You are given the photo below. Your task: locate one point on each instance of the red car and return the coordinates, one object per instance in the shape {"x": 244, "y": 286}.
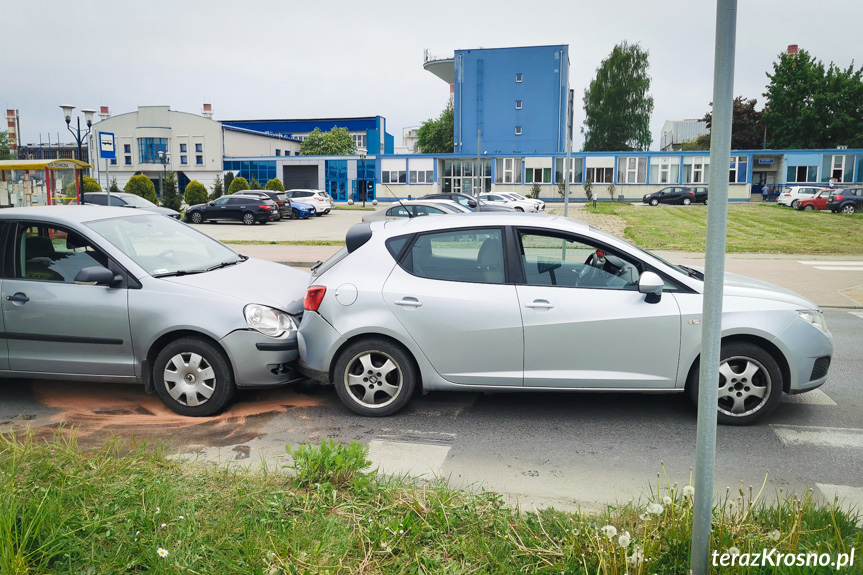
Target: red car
{"x": 816, "y": 202}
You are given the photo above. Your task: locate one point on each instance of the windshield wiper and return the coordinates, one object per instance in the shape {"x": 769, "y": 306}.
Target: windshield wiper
{"x": 692, "y": 273}
{"x": 224, "y": 264}
{"x": 178, "y": 273}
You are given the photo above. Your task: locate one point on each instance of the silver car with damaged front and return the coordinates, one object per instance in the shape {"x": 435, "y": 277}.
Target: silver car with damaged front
{"x": 533, "y": 302}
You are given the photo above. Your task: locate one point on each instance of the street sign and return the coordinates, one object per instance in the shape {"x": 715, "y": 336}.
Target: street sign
{"x": 767, "y": 161}
{"x": 106, "y": 146}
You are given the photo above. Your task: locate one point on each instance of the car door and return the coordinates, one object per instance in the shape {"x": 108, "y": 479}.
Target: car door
{"x": 217, "y": 211}
{"x": 449, "y": 294}
{"x": 52, "y": 324}
{"x": 585, "y": 323}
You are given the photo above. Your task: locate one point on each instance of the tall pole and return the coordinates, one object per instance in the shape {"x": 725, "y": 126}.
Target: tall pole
{"x": 478, "y": 166}
{"x": 566, "y": 167}
{"x": 80, "y": 169}
{"x": 714, "y": 274}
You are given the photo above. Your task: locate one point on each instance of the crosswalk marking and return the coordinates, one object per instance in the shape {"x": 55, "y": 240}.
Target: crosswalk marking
{"x": 819, "y": 436}
{"x": 857, "y": 313}
{"x": 836, "y": 266}
{"x": 814, "y": 397}
{"x": 407, "y": 452}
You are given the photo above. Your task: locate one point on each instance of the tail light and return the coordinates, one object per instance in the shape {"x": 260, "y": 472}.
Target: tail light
{"x": 264, "y": 207}
{"x": 314, "y": 296}
{"x": 838, "y": 198}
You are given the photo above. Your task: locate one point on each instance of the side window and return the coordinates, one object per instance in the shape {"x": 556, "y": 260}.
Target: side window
{"x": 398, "y": 212}
{"x": 561, "y": 260}
{"x": 222, "y": 201}
{"x": 460, "y": 255}
{"x": 47, "y": 253}
{"x": 427, "y": 211}
{"x": 99, "y": 200}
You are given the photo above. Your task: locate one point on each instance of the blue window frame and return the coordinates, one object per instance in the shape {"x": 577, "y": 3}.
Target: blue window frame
{"x": 149, "y": 148}
{"x": 127, "y": 148}
{"x": 199, "y": 148}
{"x": 183, "y": 148}
{"x": 199, "y": 160}
{"x": 262, "y": 170}
{"x": 184, "y": 160}
{"x": 128, "y": 160}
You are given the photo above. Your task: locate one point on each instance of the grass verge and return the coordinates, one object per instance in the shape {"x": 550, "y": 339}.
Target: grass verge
{"x": 752, "y": 228}
{"x": 125, "y": 508}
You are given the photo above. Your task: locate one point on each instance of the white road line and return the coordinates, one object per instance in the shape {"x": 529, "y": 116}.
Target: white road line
{"x": 857, "y": 313}
{"x": 833, "y": 263}
{"x": 814, "y": 397}
{"x": 819, "y": 436}
{"x": 840, "y": 268}
{"x": 849, "y": 497}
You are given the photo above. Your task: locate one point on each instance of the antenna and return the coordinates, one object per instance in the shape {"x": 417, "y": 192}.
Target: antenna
{"x": 410, "y": 215}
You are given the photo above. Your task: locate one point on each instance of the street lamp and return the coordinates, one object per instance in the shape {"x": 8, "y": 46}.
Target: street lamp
{"x": 363, "y": 179}
{"x": 165, "y": 159}
{"x": 88, "y": 118}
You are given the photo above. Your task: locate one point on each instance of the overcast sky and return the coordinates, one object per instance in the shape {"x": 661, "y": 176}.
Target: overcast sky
{"x": 325, "y": 58}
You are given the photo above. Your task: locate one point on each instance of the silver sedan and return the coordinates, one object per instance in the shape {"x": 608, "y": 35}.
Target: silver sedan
{"x": 415, "y": 208}
{"x": 492, "y": 301}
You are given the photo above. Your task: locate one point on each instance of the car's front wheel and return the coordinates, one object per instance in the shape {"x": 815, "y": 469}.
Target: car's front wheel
{"x": 750, "y": 384}
{"x": 519, "y": 209}
{"x": 196, "y": 217}
{"x": 374, "y": 377}
{"x": 248, "y": 218}
{"x": 193, "y": 377}
{"x": 848, "y": 209}
{"x": 808, "y": 207}
{"x": 654, "y": 202}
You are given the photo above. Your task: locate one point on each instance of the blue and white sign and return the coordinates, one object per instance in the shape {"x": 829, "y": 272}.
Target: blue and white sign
{"x": 767, "y": 161}
{"x": 106, "y": 146}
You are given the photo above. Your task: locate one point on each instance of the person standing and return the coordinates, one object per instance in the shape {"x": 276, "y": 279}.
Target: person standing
{"x": 765, "y": 192}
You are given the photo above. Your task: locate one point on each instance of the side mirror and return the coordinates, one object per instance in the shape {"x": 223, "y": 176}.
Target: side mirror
{"x": 97, "y": 275}
{"x": 471, "y": 203}
{"x": 651, "y": 285}
{"x": 211, "y": 203}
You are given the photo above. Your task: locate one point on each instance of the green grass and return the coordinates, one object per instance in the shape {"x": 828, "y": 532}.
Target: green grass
{"x": 369, "y": 207}
{"x": 69, "y": 510}
{"x": 752, "y": 228}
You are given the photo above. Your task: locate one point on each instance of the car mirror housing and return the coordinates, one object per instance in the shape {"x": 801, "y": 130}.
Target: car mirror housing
{"x": 96, "y": 275}
{"x": 471, "y": 203}
{"x": 651, "y": 285}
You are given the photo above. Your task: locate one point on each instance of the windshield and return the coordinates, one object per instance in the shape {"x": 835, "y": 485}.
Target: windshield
{"x": 132, "y": 200}
{"x": 164, "y": 246}
{"x": 642, "y": 250}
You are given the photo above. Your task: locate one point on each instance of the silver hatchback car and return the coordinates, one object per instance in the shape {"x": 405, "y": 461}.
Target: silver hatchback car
{"x": 93, "y": 293}
{"x": 491, "y": 301}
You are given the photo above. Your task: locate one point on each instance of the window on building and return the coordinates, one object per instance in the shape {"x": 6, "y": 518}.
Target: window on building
{"x": 113, "y": 161}
{"x": 199, "y": 148}
{"x": 537, "y": 176}
{"x": 359, "y": 140}
{"x": 801, "y": 174}
{"x": 421, "y": 177}
{"x": 840, "y": 167}
{"x": 737, "y": 170}
{"x": 696, "y": 170}
{"x": 278, "y": 152}
{"x": 127, "y": 148}
{"x": 518, "y": 130}
{"x": 664, "y": 170}
{"x": 199, "y": 160}
{"x": 519, "y": 77}
{"x": 394, "y": 177}
{"x": 128, "y": 160}
{"x": 508, "y": 171}
{"x": 518, "y": 104}
{"x": 632, "y": 170}
{"x": 576, "y": 170}
{"x": 149, "y": 148}
{"x": 599, "y": 175}
{"x": 184, "y": 160}
{"x": 182, "y": 148}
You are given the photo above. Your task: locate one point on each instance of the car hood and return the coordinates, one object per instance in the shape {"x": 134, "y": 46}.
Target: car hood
{"x": 161, "y": 210}
{"x": 743, "y": 286}
{"x": 276, "y": 285}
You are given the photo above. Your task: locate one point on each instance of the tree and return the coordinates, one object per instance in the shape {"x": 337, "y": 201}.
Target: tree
{"x": 170, "y": 197}
{"x": 195, "y": 193}
{"x": 115, "y": 189}
{"x": 436, "y": 136}
{"x": 218, "y": 190}
{"x": 255, "y": 184}
{"x": 141, "y": 185}
{"x": 5, "y": 154}
{"x": 617, "y": 104}
{"x": 336, "y": 142}
{"x": 588, "y": 189}
{"x": 275, "y": 185}
{"x": 810, "y": 106}
{"x": 229, "y": 177}
{"x": 91, "y": 186}
{"x": 702, "y": 142}
{"x": 747, "y": 127}
{"x": 238, "y": 184}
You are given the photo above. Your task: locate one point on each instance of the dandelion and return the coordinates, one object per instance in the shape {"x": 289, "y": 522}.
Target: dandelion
{"x": 644, "y": 516}
{"x": 667, "y": 500}
{"x": 158, "y": 509}
{"x": 733, "y": 551}
{"x": 774, "y": 535}
{"x": 637, "y": 557}
{"x": 164, "y": 525}
{"x": 271, "y": 555}
{"x": 655, "y": 509}
{"x": 162, "y": 552}
{"x": 609, "y": 531}
{"x": 181, "y": 517}
{"x": 688, "y": 491}
{"x": 624, "y": 539}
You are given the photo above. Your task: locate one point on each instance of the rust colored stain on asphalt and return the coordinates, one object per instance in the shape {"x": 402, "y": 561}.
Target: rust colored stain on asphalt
{"x": 99, "y": 410}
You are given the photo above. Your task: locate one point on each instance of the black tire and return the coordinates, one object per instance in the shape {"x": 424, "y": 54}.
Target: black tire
{"x": 705, "y": 201}
{"x": 295, "y": 213}
{"x": 795, "y": 203}
{"x": 196, "y": 218}
{"x": 654, "y": 202}
{"x": 758, "y": 393}
{"x": 686, "y": 201}
{"x": 193, "y": 377}
{"x": 808, "y": 207}
{"x": 248, "y": 218}
{"x": 362, "y": 372}
{"x": 519, "y": 209}
{"x": 848, "y": 209}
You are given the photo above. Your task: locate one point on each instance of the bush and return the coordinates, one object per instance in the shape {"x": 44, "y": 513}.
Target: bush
{"x": 196, "y": 193}
{"x": 141, "y": 185}
{"x": 275, "y": 185}
{"x": 218, "y": 190}
{"x": 91, "y": 186}
{"x": 331, "y": 463}
{"x": 237, "y": 184}
{"x": 535, "y": 191}
{"x": 170, "y": 197}
{"x": 229, "y": 177}
{"x": 255, "y": 184}
{"x": 115, "y": 189}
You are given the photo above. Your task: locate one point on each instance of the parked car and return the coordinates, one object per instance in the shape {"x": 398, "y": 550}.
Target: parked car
{"x": 701, "y": 193}
{"x": 432, "y": 302}
{"x": 105, "y": 294}
{"x": 415, "y": 208}
{"x": 301, "y": 210}
{"x": 846, "y": 200}
{"x": 791, "y": 195}
{"x": 236, "y": 207}
{"x": 670, "y": 195}
{"x": 539, "y": 203}
{"x": 507, "y": 201}
{"x": 283, "y": 204}
{"x": 125, "y": 200}
{"x": 816, "y": 202}
{"x": 321, "y": 200}
{"x": 468, "y": 202}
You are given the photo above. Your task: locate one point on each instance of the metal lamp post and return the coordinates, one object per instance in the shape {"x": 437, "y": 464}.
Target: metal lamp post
{"x": 363, "y": 179}
{"x": 164, "y": 159}
{"x": 79, "y": 138}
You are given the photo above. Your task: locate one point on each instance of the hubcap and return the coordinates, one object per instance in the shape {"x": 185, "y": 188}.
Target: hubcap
{"x": 189, "y": 379}
{"x": 373, "y": 379}
{"x": 744, "y": 386}
{"x": 248, "y": 218}
{"x": 849, "y": 209}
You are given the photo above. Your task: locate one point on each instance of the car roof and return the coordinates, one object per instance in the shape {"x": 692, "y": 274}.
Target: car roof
{"x": 480, "y": 219}
{"x": 73, "y": 214}
{"x": 118, "y": 194}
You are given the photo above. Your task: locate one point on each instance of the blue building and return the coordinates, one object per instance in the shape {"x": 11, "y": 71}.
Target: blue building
{"x": 515, "y": 98}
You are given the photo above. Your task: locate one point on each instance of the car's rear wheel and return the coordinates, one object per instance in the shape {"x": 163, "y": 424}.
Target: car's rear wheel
{"x": 193, "y": 377}
{"x": 374, "y": 377}
{"x": 750, "y": 384}
{"x": 795, "y": 203}
{"x": 705, "y": 201}
{"x": 848, "y": 209}
{"x": 654, "y": 202}
{"x": 248, "y": 218}
{"x": 196, "y": 218}
{"x": 808, "y": 207}
{"x": 687, "y": 201}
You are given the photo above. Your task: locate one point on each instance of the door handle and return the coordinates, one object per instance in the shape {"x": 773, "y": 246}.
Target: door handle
{"x": 409, "y": 302}
{"x": 539, "y": 304}
{"x": 18, "y": 298}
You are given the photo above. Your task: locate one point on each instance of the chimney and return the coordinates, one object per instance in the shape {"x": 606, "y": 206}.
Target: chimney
{"x": 208, "y": 111}
{"x": 13, "y": 131}
{"x": 792, "y": 49}
{"x": 103, "y": 112}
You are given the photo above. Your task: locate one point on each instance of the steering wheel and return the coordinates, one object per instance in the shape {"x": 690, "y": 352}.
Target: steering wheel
{"x": 167, "y": 254}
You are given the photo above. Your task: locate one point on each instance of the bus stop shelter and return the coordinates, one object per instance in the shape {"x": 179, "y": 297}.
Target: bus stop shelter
{"x": 40, "y": 182}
